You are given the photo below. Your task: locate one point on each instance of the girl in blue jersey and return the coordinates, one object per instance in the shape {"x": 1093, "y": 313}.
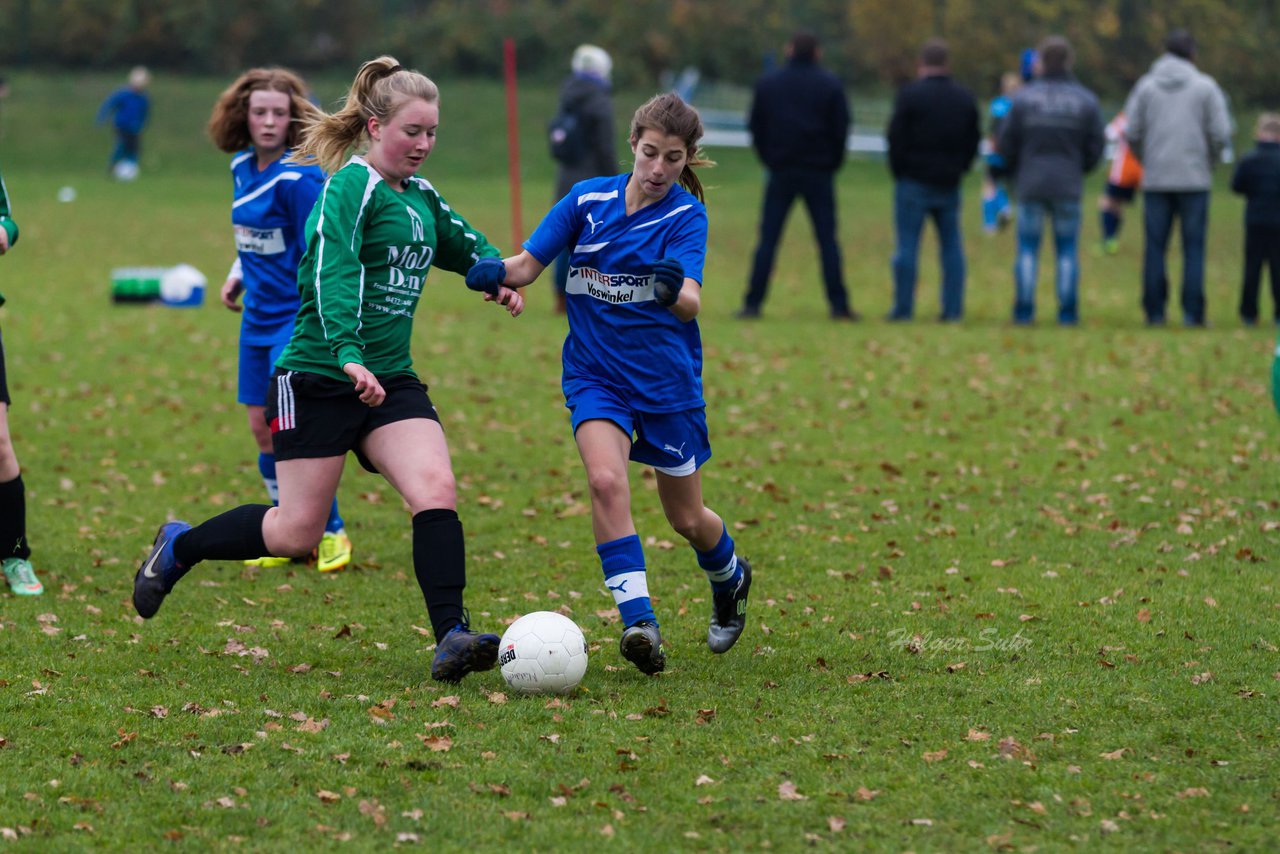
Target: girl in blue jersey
{"x": 258, "y": 119}
{"x": 633, "y": 361}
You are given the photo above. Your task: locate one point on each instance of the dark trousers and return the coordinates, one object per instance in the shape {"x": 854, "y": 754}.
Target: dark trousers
{"x": 1159, "y": 209}
{"x": 817, "y": 188}
{"x": 128, "y": 147}
{"x": 1261, "y": 247}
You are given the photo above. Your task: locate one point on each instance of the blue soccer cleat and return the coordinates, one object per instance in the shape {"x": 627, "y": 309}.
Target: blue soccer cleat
{"x": 462, "y": 651}
{"x": 150, "y": 585}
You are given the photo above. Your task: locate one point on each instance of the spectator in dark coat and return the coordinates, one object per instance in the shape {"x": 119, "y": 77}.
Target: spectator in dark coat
{"x": 1257, "y": 178}
{"x": 933, "y": 136}
{"x": 1053, "y": 136}
{"x": 585, "y": 94}
{"x": 799, "y": 123}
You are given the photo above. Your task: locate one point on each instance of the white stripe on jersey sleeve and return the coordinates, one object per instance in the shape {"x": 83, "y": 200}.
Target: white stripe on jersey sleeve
{"x": 370, "y": 183}
{"x": 591, "y": 247}
{"x": 283, "y": 176}
{"x": 680, "y": 209}
{"x": 240, "y": 158}
{"x": 597, "y": 197}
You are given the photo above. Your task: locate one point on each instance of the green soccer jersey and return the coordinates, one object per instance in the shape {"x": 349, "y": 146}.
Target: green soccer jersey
{"x": 368, "y": 252}
{"x": 6, "y": 221}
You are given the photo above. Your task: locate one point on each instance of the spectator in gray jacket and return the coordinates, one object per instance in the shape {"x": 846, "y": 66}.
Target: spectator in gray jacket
{"x": 1051, "y": 137}
{"x": 1178, "y": 128}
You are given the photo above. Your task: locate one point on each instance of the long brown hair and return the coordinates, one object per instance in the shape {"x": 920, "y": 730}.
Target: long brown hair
{"x": 381, "y": 87}
{"x": 669, "y": 115}
{"x": 229, "y": 125}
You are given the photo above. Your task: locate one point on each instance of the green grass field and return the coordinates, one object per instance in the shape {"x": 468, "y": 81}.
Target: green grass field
{"x": 1015, "y": 587}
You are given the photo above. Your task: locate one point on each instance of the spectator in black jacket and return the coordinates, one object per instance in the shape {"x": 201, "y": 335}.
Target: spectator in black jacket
{"x": 933, "y": 136}
{"x": 799, "y": 125}
{"x": 592, "y": 151}
{"x": 1257, "y": 178}
{"x": 1052, "y": 137}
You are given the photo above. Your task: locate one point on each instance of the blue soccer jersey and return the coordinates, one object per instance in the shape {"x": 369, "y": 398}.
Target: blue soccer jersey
{"x": 269, "y": 214}
{"x": 618, "y": 334}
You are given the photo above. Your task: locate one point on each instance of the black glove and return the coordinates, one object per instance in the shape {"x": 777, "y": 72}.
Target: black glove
{"x": 668, "y": 278}
{"x": 486, "y": 275}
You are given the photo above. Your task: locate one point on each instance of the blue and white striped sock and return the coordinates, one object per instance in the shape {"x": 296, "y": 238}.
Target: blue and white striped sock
{"x": 267, "y": 468}
{"x": 720, "y": 564}
{"x": 624, "y": 575}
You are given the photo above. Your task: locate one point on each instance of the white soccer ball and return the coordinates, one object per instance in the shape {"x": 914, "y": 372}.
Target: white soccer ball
{"x": 179, "y": 283}
{"x": 543, "y": 653}
{"x": 125, "y": 170}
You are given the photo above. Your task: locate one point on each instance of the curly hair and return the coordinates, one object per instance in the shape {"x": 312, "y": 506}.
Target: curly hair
{"x": 229, "y": 125}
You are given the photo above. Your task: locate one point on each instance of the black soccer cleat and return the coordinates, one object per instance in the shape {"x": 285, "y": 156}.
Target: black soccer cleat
{"x": 462, "y": 651}
{"x": 729, "y": 612}
{"x": 642, "y": 645}
{"x": 150, "y": 585}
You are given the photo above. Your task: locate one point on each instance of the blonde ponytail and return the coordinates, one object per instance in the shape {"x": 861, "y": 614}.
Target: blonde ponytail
{"x": 381, "y": 87}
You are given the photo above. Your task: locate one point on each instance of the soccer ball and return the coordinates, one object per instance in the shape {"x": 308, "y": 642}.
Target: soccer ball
{"x": 543, "y": 653}
{"x": 182, "y": 285}
{"x": 125, "y": 170}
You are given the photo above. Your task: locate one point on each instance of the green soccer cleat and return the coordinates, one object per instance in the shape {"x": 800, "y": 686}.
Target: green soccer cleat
{"x": 22, "y": 577}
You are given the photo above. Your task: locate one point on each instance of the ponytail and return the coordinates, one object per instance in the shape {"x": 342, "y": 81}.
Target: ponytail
{"x": 381, "y": 86}
{"x": 669, "y": 115}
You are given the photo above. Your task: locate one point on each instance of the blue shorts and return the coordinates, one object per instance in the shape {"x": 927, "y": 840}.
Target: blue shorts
{"x": 674, "y": 443}
{"x": 257, "y": 363}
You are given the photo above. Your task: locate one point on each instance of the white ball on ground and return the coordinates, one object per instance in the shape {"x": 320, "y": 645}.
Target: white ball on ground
{"x": 125, "y": 170}
{"x": 179, "y": 284}
{"x": 543, "y": 653}
{"x": 67, "y": 194}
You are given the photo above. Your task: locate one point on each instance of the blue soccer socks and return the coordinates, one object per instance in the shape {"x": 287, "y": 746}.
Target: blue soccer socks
{"x": 721, "y": 564}
{"x": 267, "y": 468}
{"x": 623, "y": 563}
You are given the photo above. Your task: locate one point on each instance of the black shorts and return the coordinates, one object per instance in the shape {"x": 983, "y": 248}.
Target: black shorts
{"x": 1124, "y": 194}
{"x": 314, "y": 416}
{"x": 4, "y": 383}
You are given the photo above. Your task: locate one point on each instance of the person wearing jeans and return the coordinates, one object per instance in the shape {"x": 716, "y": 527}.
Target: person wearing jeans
{"x": 1159, "y": 209}
{"x": 913, "y": 201}
{"x": 1065, "y": 215}
{"x": 1178, "y": 126}
{"x": 1052, "y": 137}
{"x": 933, "y": 136}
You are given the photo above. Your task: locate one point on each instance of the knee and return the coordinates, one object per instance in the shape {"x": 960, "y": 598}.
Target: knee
{"x": 8, "y": 460}
{"x": 261, "y": 434}
{"x": 297, "y": 543}
{"x": 606, "y": 484}
{"x": 441, "y": 492}
{"x": 685, "y": 522}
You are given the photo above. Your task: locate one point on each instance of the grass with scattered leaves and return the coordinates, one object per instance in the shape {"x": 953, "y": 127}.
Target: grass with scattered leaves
{"x": 1015, "y": 587}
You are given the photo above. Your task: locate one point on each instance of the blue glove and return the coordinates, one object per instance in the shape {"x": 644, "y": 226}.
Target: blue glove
{"x": 668, "y": 278}
{"x": 486, "y": 275}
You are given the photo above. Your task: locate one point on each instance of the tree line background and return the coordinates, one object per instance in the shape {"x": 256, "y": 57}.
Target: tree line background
{"x": 869, "y": 43}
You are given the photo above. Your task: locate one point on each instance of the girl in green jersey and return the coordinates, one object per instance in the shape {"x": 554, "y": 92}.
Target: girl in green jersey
{"x": 14, "y": 551}
{"x": 345, "y": 382}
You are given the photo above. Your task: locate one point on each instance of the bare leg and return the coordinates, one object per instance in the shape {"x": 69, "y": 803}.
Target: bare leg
{"x": 604, "y": 449}
{"x": 689, "y": 517}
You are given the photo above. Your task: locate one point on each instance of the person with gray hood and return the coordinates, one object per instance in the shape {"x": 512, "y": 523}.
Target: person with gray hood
{"x": 1179, "y": 126}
